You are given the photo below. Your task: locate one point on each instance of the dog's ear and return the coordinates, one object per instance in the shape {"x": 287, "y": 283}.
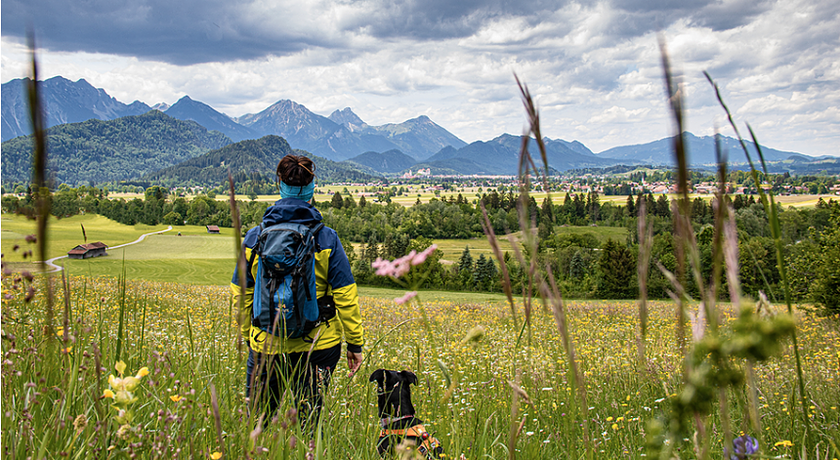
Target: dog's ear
{"x": 378, "y": 376}
{"x": 409, "y": 377}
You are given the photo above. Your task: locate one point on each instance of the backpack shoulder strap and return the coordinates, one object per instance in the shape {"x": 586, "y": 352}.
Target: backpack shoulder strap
{"x": 255, "y": 249}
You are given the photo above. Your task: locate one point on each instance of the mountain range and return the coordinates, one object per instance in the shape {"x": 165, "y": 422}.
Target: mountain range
{"x": 341, "y": 137}
{"x": 251, "y": 157}
{"x": 97, "y": 151}
{"x": 338, "y": 137}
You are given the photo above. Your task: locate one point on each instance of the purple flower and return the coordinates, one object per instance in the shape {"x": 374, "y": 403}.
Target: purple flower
{"x": 742, "y": 447}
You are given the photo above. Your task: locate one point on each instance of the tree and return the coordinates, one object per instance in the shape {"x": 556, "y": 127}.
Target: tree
{"x": 465, "y": 269}
{"x": 825, "y": 289}
{"x": 485, "y": 272}
{"x": 617, "y": 268}
{"x": 337, "y": 202}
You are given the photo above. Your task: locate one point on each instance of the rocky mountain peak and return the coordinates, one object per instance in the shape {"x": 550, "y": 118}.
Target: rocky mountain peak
{"x": 346, "y": 117}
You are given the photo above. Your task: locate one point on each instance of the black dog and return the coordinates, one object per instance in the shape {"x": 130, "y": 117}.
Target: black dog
{"x": 397, "y": 414}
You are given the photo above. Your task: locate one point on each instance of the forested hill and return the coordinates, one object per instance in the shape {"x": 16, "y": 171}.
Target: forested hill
{"x": 121, "y": 149}
{"x": 249, "y": 160}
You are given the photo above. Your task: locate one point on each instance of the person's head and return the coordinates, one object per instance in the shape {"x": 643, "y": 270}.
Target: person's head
{"x": 295, "y": 175}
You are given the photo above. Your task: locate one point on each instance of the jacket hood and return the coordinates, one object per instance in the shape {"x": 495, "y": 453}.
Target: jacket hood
{"x": 291, "y": 210}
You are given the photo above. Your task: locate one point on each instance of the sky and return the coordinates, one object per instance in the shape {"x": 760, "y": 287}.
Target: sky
{"x": 594, "y": 67}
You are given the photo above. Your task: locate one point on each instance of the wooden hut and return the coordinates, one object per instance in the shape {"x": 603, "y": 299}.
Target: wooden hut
{"x": 212, "y": 229}
{"x": 86, "y": 251}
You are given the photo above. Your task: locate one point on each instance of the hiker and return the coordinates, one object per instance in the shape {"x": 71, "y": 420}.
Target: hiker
{"x": 275, "y": 360}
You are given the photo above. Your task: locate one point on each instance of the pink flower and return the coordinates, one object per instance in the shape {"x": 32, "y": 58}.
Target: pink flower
{"x": 401, "y": 266}
{"x": 408, "y": 296}
{"x": 420, "y": 258}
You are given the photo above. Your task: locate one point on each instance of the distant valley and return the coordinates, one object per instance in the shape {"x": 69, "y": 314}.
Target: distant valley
{"x": 95, "y": 138}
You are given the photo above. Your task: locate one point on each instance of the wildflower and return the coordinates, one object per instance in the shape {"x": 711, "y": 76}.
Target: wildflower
{"x": 144, "y": 371}
{"x": 216, "y": 455}
{"x": 615, "y": 426}
{"x": 408, "y": 296}
{"x": 80, "y": 423}
{"x": 108, "y": 394}
{"x": 420, "y": 258}
{"x": 120, "y": 367}
{"x": 784, "y": 443}
{"x": 474, "y": 335}
{"x": 742, "y": 446}
{"x": 176, "y": 398}
{"x": 124, "y": 431}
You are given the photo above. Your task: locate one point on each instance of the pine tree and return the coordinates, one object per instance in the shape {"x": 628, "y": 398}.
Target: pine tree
{"x": 465, "y": 269}
{"x": 337, "y": 202}
{"x": 617, "y": 269}
{"x": 466, "y": 260}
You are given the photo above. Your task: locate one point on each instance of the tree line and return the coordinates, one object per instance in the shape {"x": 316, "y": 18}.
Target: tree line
{"x": 582, "y": 265}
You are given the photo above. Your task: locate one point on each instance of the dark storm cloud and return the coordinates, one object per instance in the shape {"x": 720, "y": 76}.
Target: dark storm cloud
{"x": 180, "y": 32}
{"x": 184, "y": 32}
{"x": 442, "y": 19}
{"x": 637, "y": 17}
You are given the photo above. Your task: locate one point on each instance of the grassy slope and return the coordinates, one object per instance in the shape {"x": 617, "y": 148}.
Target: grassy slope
{"x": 193, "y": 258}
{"x": 65, "y": 234}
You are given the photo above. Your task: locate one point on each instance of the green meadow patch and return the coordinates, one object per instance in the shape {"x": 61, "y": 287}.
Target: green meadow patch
{"x": 65, "y": 234}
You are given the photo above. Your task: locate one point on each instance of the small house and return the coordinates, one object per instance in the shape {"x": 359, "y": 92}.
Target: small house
{"x": 212, "y": 229}
{"x": 86, "y": 251}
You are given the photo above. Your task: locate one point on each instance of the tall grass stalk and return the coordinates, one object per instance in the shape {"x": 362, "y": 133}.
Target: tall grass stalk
{"x": 39, "y": 179}
{"x": 645, "y": 235}
{"x": 121, "y": 324}
{"x": 767, "y": 199}
{"x": 240, "y": 261}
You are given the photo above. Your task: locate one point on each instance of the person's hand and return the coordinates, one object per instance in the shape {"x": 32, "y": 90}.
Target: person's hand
{"x": 354, "y": 362}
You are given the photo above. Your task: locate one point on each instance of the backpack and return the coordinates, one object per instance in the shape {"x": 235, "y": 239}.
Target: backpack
{"x": 285, "y": 303}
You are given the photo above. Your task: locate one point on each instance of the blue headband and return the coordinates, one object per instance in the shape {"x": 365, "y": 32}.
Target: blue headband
{"x": 301, "y": 192}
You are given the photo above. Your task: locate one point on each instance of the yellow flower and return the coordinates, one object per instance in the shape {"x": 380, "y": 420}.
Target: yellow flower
{"x": 609, "y": 419}
{"x": 120, "y": 367}
{"x": 108, "y": 394}
{"x": 175, "y": 398}
{"x": 130, "y": 383}
{"x": 144, "y": 371}
{"x": 615, "y": 426}
{"x": 124, "y": 397}
{"x": 111, "y": 379}
{"x": 784, "y": 443}
{"x": 67, "y": 350}
{"x": 216, "y": 455}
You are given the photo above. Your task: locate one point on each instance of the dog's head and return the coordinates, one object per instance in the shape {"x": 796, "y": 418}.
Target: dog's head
{"x": 394, "y": 394}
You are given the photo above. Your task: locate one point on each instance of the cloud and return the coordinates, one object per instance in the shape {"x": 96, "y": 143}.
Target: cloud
{"x": 593, "y": 66}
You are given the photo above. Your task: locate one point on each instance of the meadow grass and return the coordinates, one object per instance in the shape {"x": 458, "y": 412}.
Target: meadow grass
{"x": 193, "y": 258}
{"x": 186, "y": 337}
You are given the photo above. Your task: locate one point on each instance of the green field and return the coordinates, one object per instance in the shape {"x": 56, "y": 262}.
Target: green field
{"x": 195, "y": 257}
{"x": 65, "y": 234}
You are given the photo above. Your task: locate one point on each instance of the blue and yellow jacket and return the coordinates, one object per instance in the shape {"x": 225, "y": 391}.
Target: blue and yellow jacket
{"x": 332, "y": 277}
